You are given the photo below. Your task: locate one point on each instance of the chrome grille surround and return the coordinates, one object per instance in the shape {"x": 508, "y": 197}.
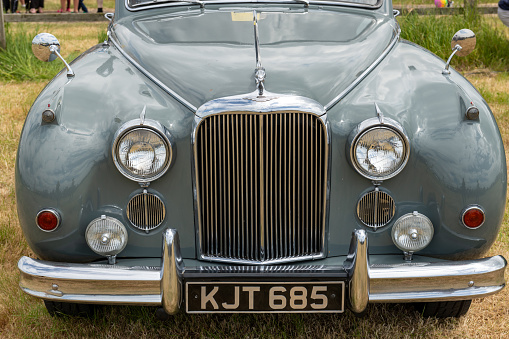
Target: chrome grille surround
{"x": 252, "y": 207}
{"x": 376, "y": 208}
{"x": 146, "y": 211}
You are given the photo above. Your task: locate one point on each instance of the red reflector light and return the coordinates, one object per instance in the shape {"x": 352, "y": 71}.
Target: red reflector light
{"x": 473, "y": 217}
{"x": 47, "y": 220}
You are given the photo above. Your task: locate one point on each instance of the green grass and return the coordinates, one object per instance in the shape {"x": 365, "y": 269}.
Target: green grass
{"x": 435, "y": 32}
{"x": 18, "y": 62}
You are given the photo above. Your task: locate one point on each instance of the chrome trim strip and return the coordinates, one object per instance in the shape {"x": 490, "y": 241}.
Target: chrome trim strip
{"x": 171, "y": 272}
{"x": 165, "y": 88}
{"x": 266, "y": 262}
{"x": 255, "y": 103}
{"x": 228, "y": 2}
{"x": 357, "y": 265}
{"x": 447, "y": 280}
{"x": 364, "y": 74}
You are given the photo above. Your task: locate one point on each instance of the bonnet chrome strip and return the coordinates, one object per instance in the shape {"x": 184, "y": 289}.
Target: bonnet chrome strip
{"x": 364, "y": 74}
{"x": 149, "y": 75}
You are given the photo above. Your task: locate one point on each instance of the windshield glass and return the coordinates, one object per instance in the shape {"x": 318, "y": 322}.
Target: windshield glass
{"x": 140, "y": 3}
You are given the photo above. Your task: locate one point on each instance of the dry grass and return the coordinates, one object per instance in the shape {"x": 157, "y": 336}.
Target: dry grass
{"x": 24, "y": 316}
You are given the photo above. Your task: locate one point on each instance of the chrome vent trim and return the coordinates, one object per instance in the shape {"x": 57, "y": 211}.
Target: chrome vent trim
{"x": 261, "y": 187}
{"x": 146, "y": 211}
{"x": 376, "y": 209}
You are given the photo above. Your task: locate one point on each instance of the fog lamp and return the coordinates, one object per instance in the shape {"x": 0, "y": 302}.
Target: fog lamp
{"x": 412, "y": 232}
{"x": 106, "y": 236}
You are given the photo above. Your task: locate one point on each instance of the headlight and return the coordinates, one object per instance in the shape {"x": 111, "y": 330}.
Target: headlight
{"x": 412, "y": 232}
{"x": 142, "y": 151}
{"x": 106, "y": 236}
{"x": 379, "y": 151}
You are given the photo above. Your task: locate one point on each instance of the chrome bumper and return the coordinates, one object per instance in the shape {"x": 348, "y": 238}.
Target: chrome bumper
{"x": 163, "y": 286}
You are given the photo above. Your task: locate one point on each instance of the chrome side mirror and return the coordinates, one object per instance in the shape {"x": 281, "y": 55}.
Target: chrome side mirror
{"x": 47, "y": 48}
{"x": 462, "y": 44}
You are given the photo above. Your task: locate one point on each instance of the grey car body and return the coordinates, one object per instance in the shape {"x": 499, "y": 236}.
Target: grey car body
{"x": 176, "y": 65}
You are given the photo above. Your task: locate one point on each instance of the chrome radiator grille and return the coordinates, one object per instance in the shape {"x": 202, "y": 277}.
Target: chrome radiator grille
{"x": 261, "y": 186}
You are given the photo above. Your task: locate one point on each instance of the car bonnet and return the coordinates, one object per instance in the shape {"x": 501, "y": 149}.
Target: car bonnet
{"x": 202, "y": 55}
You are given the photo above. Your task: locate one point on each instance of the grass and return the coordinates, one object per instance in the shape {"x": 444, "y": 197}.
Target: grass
{"x": 435, "y": 32}
{"x": 18, "y": 63}
{"x": 24, "y": 316}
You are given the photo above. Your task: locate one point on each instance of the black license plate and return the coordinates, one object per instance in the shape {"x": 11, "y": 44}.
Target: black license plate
{"x": 262, "y": 297}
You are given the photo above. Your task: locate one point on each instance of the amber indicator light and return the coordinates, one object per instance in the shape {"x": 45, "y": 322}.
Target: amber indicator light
{"x": 473, "y": 218}
{"x": 47, "y": 221}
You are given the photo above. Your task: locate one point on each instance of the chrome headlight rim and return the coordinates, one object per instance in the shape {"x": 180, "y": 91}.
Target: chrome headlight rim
{"x": 372, "y": 124}
{"x": 152, "y": 126}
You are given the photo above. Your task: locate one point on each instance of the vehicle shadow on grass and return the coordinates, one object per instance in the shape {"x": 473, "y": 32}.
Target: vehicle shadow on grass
{"x": 380, "y": 321}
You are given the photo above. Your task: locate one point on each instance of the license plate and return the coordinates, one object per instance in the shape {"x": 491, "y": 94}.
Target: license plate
{"x": 263, "y": 297}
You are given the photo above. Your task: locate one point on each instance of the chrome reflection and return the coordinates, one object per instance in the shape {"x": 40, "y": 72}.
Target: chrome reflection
{"x": 263, "y": 104}
{"x": 261, "y": 186}
{"x": 379, "y": 148}
{"x": 149, "y": 157}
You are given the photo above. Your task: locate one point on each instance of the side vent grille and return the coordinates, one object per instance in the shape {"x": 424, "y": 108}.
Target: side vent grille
{"x": 376, "y": 209}
{"x": 146, "y": 211}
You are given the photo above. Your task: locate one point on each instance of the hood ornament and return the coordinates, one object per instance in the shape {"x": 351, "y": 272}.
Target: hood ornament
{"x": 259, "y": 71}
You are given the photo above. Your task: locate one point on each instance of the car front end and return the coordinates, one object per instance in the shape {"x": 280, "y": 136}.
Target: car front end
{"x": 260, "y": 157}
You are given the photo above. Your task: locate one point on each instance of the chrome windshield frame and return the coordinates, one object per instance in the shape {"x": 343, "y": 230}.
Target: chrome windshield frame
{"x": 175, "y": 3}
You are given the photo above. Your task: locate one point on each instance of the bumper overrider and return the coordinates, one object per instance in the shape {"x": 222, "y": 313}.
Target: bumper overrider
{"x": 306, "y": 288}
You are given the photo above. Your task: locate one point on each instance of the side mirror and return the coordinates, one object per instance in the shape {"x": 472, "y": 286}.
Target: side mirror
{"x": 43, "y": 45}
{"x": 47, "y": 48}
{"x": 466, "y": 40}
{"x": 462, "y": 44}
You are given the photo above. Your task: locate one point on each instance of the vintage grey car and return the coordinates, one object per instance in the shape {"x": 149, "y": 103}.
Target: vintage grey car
{"x": 260, "y": 156}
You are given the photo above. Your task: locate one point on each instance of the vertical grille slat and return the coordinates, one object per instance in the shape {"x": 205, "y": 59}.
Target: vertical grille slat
{"x": 261, "y": 181}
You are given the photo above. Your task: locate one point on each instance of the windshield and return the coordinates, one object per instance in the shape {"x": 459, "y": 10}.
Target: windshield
{"x": 135, "y": 4}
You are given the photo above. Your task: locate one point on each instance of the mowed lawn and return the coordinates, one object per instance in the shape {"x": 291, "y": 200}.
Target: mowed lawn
{"x": 23, "y": 316}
